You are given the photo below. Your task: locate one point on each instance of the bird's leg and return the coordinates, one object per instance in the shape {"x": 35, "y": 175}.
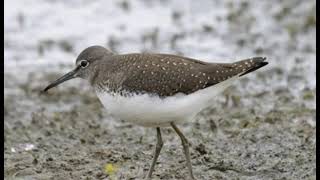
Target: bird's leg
{"x": 185, "y": 145}
{"x": 156, "y": 152}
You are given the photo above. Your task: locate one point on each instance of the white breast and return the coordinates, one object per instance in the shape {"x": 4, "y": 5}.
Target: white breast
{"x": 149, "y": 110}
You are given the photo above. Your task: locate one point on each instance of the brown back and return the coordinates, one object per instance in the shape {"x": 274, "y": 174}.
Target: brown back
{"x": 165, "y": 75}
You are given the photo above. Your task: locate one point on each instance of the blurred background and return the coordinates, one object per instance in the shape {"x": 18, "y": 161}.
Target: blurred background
{"x": 260, "y": 128}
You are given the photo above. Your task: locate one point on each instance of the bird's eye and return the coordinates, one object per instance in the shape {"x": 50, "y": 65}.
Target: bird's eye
{"x": 84, "y": 63}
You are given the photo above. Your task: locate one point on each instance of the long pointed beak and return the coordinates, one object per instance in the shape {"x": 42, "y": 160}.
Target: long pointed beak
{"x": 66, "y": 77}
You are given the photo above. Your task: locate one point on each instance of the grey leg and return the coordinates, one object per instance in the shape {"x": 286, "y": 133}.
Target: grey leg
{"x": 156, "y": 153}
{"x": 185, "y": 145}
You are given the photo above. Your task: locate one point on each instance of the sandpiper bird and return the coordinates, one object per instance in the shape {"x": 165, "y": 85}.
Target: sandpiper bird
{"x": 156, "y": 90}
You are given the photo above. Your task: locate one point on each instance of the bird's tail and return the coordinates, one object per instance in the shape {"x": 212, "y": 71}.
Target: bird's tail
{"x": 249, "y": 65}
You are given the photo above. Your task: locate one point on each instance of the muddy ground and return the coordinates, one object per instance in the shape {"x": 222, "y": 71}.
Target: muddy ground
{"x": 245, "y": 142}
{"x": 262, "y": 127}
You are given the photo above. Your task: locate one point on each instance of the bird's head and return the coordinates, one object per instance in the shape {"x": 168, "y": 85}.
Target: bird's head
{"x": 84, "y": 65}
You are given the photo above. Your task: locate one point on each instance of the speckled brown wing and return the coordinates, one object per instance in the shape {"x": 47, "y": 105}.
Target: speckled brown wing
{"x": 166, "y": 75}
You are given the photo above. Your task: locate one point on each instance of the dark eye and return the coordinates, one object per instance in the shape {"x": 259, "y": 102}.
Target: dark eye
{"x": 84, "y": 63}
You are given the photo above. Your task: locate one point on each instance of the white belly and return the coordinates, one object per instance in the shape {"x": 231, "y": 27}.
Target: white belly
{"x": 152, "y": 111}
